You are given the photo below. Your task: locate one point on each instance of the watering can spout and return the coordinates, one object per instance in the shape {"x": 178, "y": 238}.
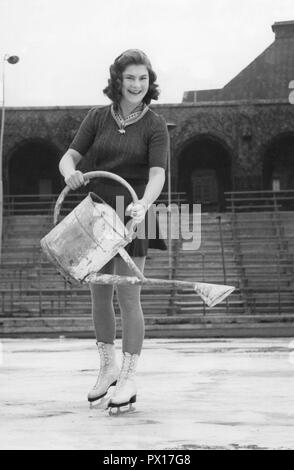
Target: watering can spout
{"x": 213, "y": 294}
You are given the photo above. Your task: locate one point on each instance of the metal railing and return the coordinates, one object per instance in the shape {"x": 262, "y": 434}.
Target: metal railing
{"x": 249, "y": 201}
{"x": 29, "y": 204}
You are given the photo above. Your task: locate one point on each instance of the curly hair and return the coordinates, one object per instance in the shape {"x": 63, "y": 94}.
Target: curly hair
{"x": 130, "y": 57}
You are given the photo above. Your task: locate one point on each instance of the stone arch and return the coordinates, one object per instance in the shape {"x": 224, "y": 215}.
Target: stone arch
{"x": 278, "y": 162}
{"x": 33, "y": 168}
{"x": 205, "y": 171}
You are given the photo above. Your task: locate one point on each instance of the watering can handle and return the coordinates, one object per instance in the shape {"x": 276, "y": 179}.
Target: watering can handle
{"x": 91, "y": 175}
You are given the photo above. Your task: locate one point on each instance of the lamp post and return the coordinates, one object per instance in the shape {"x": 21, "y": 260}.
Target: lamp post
{"x": 170, "y": 126}
{"x": 11, "y": 59}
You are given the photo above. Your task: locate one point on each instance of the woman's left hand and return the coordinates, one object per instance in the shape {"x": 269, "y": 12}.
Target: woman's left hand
{"x": 137, "y": 210}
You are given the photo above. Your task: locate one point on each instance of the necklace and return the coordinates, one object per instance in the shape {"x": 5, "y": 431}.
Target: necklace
{"x": 130, "y": 119}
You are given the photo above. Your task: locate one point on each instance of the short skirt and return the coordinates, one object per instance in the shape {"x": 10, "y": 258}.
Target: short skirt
{"x": 118, "y": 196}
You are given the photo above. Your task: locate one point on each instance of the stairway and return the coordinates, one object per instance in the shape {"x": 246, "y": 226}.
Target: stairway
{"x": 265, "y": 245}
{"x": 212, "y": 262}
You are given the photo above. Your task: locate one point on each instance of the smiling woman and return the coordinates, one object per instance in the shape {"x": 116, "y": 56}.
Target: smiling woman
{"x": 131, "y": 140}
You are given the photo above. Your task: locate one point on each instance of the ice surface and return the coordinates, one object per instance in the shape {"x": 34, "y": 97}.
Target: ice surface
{"x": 192, "y": 394}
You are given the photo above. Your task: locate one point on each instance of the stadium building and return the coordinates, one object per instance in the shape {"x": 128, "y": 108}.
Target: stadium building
{"x": 232, "y": 150}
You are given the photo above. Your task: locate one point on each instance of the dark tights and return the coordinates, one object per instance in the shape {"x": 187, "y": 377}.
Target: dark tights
{"x": 129, "y": 303}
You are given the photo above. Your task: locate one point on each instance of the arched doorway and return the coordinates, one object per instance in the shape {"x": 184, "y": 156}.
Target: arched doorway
{"x": 278, "y": 163}
{"x": 204, "y": 172}
{"x": 33, "y": 169}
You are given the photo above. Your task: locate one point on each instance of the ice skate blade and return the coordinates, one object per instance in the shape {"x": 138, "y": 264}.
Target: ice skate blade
{"x": 120, "y": 412}
{"x": 114, "y": 406}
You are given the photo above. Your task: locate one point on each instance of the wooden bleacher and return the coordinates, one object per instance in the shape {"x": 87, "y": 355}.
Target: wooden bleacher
{"x": 252, "y": 250}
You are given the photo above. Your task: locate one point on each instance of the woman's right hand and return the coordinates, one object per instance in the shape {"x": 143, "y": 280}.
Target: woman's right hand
{"x": 75, "y": 180}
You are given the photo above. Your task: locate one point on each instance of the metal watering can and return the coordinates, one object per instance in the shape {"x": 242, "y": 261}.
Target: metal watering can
{"x": 92, "y": 234}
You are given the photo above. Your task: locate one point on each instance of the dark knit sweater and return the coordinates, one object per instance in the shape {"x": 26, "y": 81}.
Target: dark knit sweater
{"x": 144, "y": 145}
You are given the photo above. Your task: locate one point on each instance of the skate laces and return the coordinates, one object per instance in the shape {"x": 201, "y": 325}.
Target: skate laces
{"x": 127, "y": 370}
{"x": 105, "y": 361}
{"x": 104, "y": 356}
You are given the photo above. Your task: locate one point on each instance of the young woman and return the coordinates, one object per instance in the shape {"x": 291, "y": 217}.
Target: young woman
{"x": 129, "y": 139}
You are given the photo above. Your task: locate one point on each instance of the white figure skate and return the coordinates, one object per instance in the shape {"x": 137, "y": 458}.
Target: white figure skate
{"x": 107, "y": 378}
{"x": 125, "y": 392}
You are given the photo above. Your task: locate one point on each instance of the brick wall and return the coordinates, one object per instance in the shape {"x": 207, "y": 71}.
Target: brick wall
{"x": 243, "y": 129}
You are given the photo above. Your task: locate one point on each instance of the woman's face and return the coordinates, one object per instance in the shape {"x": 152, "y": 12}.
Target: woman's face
{"x": 135, "y": 83}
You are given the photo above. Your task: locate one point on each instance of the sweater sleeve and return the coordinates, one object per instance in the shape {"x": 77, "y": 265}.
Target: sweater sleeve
{"x": 159, "y": 144}
{"x": 85, "y": 135}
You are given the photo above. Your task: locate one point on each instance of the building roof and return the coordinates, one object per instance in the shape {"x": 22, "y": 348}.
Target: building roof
{"x": 267, "y": 77}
